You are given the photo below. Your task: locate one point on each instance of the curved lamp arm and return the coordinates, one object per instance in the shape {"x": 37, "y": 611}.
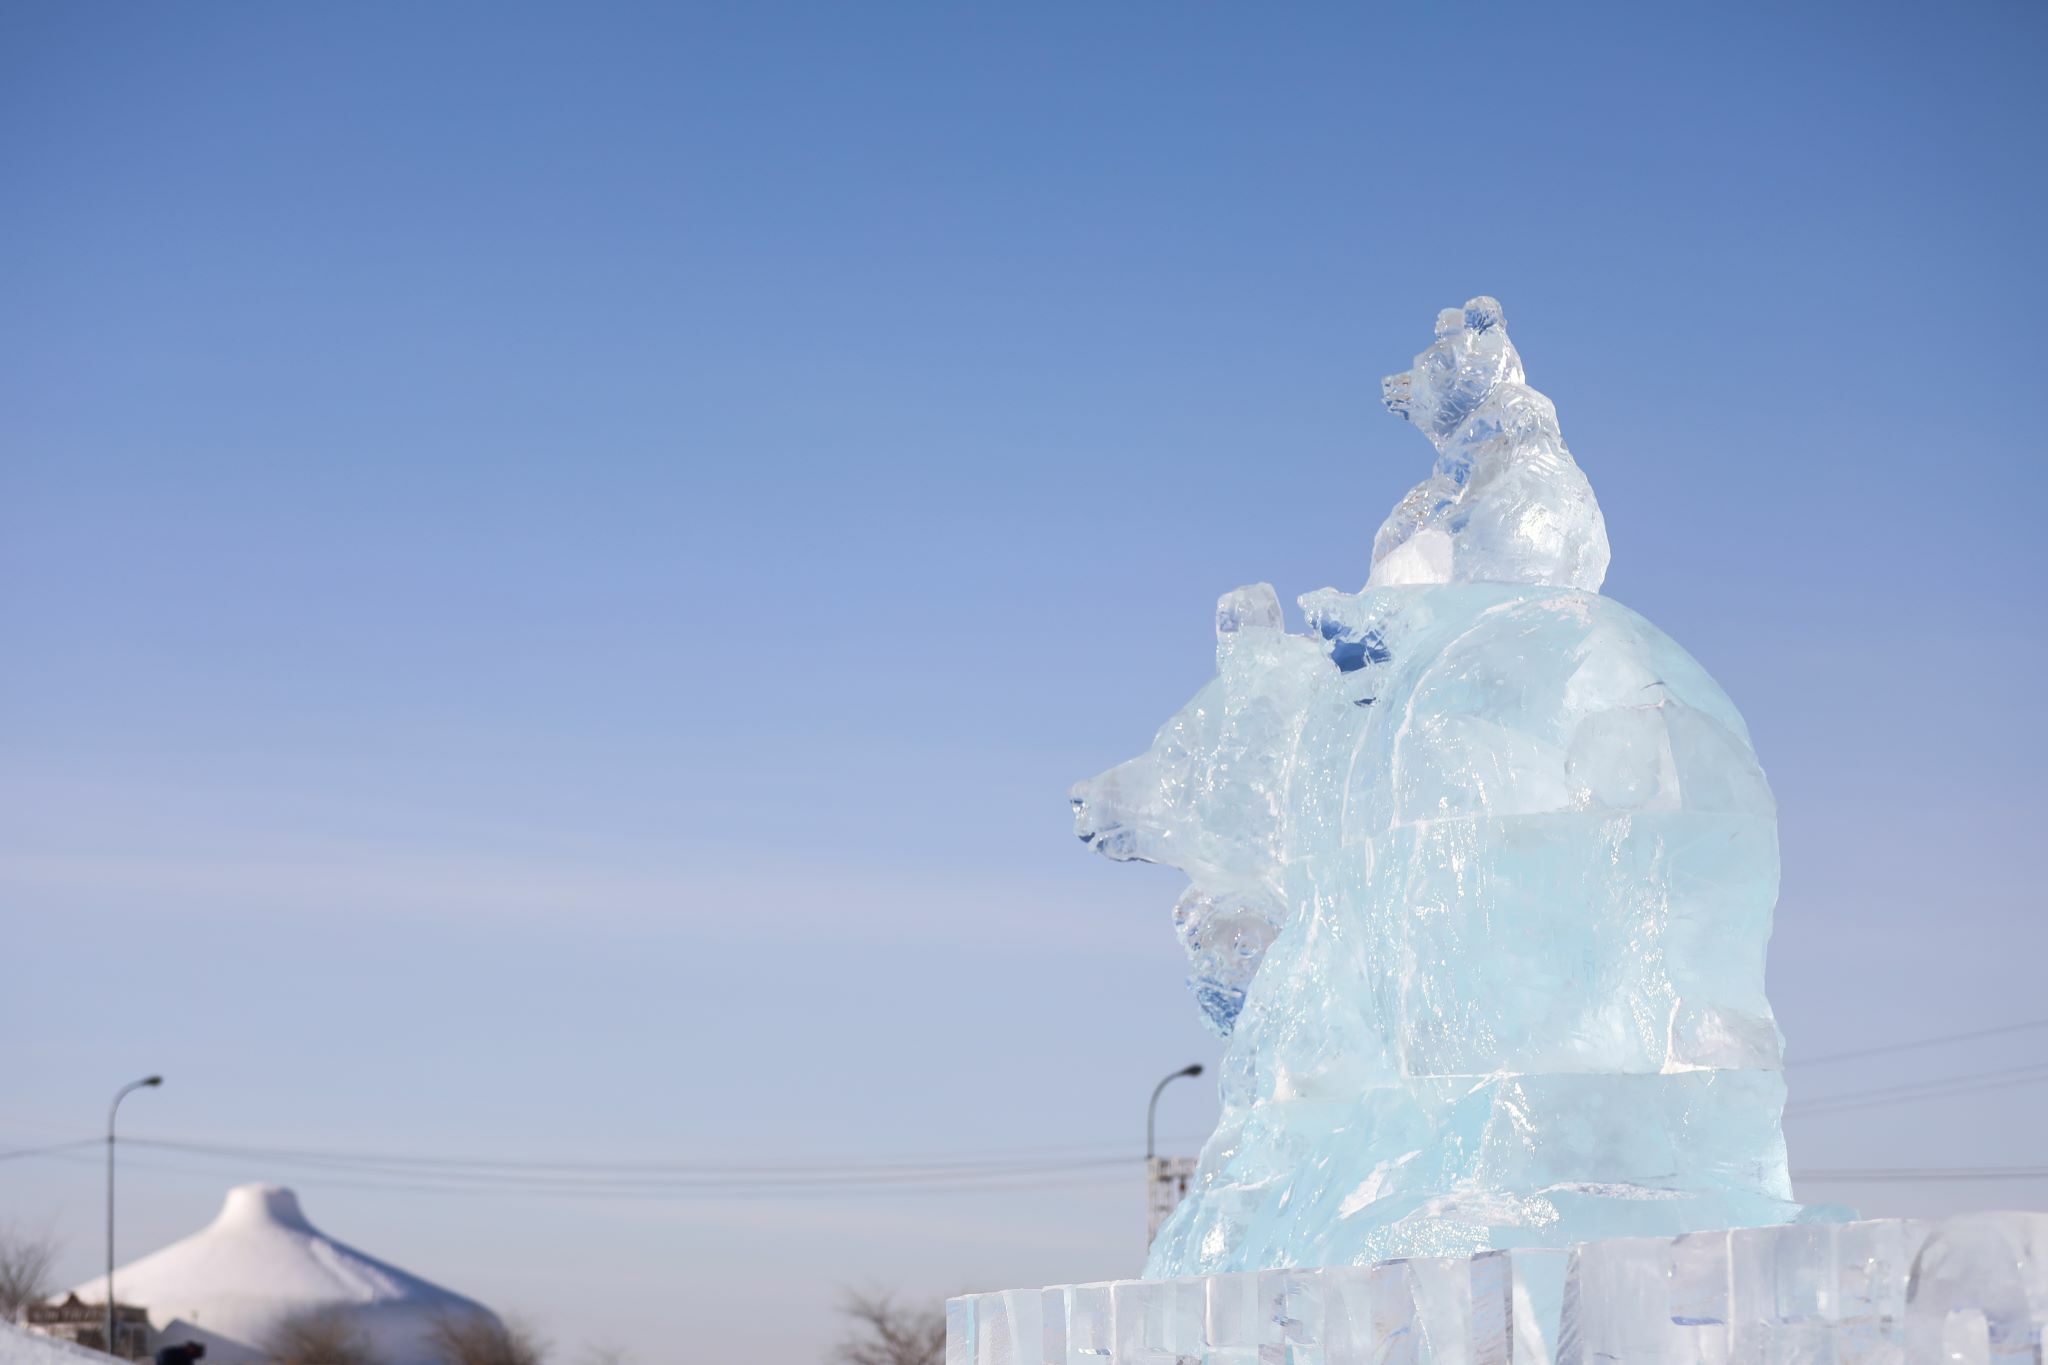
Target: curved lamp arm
{"x": 1152, "y": 1109}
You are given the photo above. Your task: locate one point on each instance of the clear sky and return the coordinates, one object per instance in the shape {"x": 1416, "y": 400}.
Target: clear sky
{"x": 557, "y": 563}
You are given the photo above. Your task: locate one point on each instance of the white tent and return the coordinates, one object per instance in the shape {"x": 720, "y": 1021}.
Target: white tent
{"x": 243, "y": 1276}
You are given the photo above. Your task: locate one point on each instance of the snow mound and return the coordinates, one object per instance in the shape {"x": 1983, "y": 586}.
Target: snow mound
{"x": 20, "y": 1347}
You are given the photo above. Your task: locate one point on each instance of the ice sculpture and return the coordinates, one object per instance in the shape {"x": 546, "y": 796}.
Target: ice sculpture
{"x": 1482, "y": 873}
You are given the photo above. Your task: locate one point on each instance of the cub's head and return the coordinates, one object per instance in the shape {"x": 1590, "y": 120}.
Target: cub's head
{"x": 1472, "y": 356}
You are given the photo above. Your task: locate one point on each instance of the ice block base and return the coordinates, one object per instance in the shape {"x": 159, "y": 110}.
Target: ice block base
{"x": 1968, "y": 1290}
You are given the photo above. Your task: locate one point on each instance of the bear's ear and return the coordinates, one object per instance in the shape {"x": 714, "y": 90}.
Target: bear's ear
{"x": 1397, "y": 394}
{"x": 1481, "y": 314}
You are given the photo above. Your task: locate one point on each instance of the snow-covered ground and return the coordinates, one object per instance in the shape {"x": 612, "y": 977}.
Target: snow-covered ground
{"x": 22, "y": 1347}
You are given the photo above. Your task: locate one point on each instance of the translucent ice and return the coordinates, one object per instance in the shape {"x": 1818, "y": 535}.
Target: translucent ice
{"x": 1226, "y": 937}
{"x": 1972, "y": 1290}
{"x": 1505, "y": 503}
{"x": 1482, "y": 868}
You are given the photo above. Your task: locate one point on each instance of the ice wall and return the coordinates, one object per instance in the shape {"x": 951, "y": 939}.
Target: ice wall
{"x": 1482, "y": 869}
{"x": 1969, "y": 1290}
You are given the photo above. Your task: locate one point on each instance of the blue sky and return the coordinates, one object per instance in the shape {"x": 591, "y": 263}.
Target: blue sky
{"x": 558, "y": 562}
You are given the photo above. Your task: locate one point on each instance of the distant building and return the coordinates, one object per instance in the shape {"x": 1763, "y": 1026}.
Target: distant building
{"x": 1166, "y": 1184}
{"x": 85, "y": 1324}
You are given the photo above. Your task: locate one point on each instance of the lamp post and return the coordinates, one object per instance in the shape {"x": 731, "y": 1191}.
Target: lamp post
{"x": 1165, "y": 1181}
{"x": 112, "y": 1110}
{"x": 1152, "y": 1109}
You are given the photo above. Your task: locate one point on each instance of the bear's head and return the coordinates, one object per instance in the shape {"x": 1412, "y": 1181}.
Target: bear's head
{"x": 1209, "y": 798}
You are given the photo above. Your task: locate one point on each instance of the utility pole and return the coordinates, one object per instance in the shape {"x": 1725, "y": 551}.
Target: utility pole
{"x": 112, "y": 1110}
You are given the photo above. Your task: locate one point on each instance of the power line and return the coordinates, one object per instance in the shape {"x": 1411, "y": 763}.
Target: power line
{"x": 1939, "y": 1088}
{"x": 1051, "y": 1179}
{"x": 1887, "y": 1049}
{"x": 49, "y": 1148}
{"x": 846, "y": 1182}
{"x": 606, "y": 1179}
{"x": 1918, "y": 1174}
{"x": 651, "y": 1169}
{"x": 1014, "y": 1169}
{"x": 600, "y": 1177}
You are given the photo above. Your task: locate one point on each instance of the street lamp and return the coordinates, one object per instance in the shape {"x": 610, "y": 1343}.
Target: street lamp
{"x": 1165, "y": 1182}
{"x": 1152, "y": 1109}
{"x": 113, "y": 1109}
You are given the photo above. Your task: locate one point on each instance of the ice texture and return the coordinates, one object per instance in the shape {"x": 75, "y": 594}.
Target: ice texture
{"x": 1226, "y": 937}
{"x": 1482, "y": 874}
{"x": 1972, "y": 1290}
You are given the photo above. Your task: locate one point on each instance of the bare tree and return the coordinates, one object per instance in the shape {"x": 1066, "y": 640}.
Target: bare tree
{"x": 322, "y": 1336}
{"x": 882, "y": 1332}
{"x": 25, "y": 1262}
{"x": 479, "y": 1339}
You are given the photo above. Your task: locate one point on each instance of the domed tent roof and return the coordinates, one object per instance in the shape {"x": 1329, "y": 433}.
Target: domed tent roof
{"x": 259, "y": 1264}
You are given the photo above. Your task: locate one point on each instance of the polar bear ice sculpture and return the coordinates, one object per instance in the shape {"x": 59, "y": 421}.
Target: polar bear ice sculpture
{"x": 1483, "y": 870}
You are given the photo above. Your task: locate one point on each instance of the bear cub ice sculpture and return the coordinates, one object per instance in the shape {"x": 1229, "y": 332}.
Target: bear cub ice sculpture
{"x": 1505, "y": 502}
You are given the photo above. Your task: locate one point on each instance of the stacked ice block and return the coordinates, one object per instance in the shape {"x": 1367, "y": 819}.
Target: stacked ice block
{"x": 1971, "y": 1290}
